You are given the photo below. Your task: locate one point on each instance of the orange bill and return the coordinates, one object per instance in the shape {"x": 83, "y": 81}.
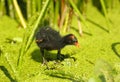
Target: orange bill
{"x": 77, "y": 44}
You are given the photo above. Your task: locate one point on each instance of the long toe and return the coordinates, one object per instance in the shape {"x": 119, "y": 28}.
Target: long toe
{"x": 45, "y": 64}
{"x": 60, "y": 57}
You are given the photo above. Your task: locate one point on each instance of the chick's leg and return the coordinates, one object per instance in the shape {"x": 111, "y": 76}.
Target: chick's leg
{"x": 60, "y": 56}
{"x": 44, "y": 60}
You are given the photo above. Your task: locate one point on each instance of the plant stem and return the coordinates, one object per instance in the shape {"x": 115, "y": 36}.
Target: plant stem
{"x": 36, "y": 25}
{"x": 12, "y": 68}
{"x": 2, "y": 7}
{"x": 11, "y": 10}
{"x": 105, "y": 13}
{"x": 39, "y": 5}
{"x": 28, "y": 9}
{"x": 23, "y": 23}
{"x": 66, "y": 22}
{"x": 33, "y": 7}
{"x": 56, "y": 13}
{"x": 78, "y": 12}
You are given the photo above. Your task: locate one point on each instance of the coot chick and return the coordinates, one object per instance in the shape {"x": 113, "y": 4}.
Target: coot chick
{"x": 49, "y": 39}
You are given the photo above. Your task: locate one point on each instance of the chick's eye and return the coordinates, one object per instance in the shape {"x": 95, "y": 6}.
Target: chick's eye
{"x": 74, "y": 40}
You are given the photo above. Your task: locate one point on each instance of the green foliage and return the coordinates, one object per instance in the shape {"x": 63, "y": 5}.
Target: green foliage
{"x": 28, "y": 66}
{"x": 56, "y": 8}
{"x": 103, "y": 71}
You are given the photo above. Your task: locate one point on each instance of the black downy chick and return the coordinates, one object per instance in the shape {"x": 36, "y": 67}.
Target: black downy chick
{"x": 49, "y": 39}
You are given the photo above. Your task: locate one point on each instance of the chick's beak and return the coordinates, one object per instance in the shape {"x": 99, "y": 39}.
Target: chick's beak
{"x": 77, "y": 44}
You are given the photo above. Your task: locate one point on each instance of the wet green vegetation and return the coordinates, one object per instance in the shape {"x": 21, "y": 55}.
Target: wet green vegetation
{"x": 97, "y": 59}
